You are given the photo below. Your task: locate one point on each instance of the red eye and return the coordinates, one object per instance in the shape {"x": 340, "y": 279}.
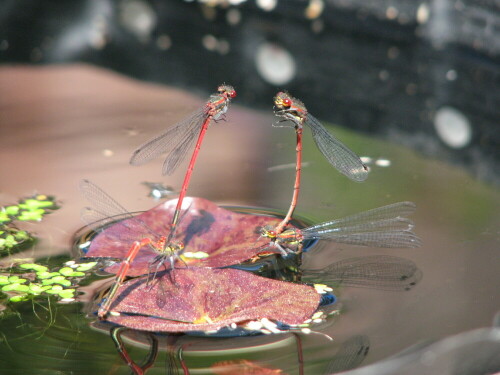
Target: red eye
{"x": 287, "y": 102}
{"x": 232, "y": 94}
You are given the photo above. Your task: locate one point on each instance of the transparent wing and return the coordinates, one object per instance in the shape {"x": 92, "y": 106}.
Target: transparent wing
{"x": 388, "y": 239}
{"x": 377, "y": 271}
{"x": 391, "y": 211}
{"x": 176, "y": 156}
{"x": 105, "y": 210}
{"x": 381, "y": 227}
{"x": 169, "y": 142}
{"x": 96, "y": 220}
{"x": 337, "y": 154}
{"x": 350, "y": 355}
{"x": 102, "y": 205}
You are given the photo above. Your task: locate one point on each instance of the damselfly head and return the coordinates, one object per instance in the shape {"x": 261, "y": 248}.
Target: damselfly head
{"x": 289, "y": 107}
{"x": 268, "y": 231}
{"x": 227, "y": 91}
{"x": 176, "y": 247}
{"x": 283, "y": 100}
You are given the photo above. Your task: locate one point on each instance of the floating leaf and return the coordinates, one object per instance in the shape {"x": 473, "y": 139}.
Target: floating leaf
{"x": 204, "y": 299}
{"x": 8, "y": 242}
{"x": 66, "y": 271}
{"x": 46, "y": 274}
{"x": 33, "y": 266}
{"x": 86, "y": 266}
{"x": 12, "y": 210}
{"x": 67, "y": 293}
{"x": 57, "y": 280}
{"x": 227, "y": 237}
{"x": 35, "y": 204}
{"x": 16, "y": 279}
{"x": 35, "y": 215}
{"x": 19, "y": 298}
{"x": 37, "y": 289}
{"x": 4, "y": 217}
{"x": 16, "y": 287}
{"x": 56, "y": 289}
{"x": 76, "y": 274}
{"x": 242, "y": 367}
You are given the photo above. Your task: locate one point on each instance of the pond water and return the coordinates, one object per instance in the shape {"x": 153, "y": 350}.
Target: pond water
{"x": 62, "y": 124}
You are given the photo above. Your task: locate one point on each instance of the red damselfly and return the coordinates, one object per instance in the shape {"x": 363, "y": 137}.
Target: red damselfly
{"x": 337, "y": 154}
{"x": 179, "y": 138}
{"x": 105, "y": 210}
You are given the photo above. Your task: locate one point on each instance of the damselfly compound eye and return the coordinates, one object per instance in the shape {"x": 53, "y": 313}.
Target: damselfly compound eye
{"x": 287, "y": 102}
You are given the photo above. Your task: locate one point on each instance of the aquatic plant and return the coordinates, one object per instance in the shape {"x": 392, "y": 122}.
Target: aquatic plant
{"x": 13, "y": 239}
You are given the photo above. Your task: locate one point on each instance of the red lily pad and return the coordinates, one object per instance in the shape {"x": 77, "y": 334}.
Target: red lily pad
{"x": 206, "y": 299}
{"x": 227, "y": 237}
{"x": 242, "y": 367}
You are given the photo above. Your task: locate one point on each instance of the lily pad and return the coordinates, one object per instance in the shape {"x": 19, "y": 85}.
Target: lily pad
{"x": 204, "y": 299}
{"x": 227, "y": 237}
{"x": 242, "y": 366}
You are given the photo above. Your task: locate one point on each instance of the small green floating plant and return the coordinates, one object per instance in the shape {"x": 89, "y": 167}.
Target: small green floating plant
{"x": 23, "y": 281}
{"x": 38, "y": 279}
{"x": 13, "y": 239}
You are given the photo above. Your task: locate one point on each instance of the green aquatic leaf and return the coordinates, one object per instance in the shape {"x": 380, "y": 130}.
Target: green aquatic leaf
{"x": 67, "y": 293}
{"x": 34, "y": 204}
{"x": 16, "y": 279}
{"x": 12, "y": 210}
{"x": 21, "y": 235}
{"x": 34, "y": 267}
{"x": 35, "y": 215}
{"x": 86, "y": 266}
{"x": 66, "y": 271}
{"x": 46, "y": 274}
{"x": 70, "y": 272}
{"x": 19, "y": 298}
{"x": 9, "y": 241}
{"x": 56, "y": 289}
{"x": 16, "y": 287}
{"x": 4, "y": 217}
{"x": 57, "y": 280}
{"x": 35, "y": 288}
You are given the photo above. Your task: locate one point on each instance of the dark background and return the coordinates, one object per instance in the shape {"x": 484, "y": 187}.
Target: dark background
{"x": 382, "y": 67}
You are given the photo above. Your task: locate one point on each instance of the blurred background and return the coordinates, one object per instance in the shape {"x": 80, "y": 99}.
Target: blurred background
{"x": 421, "y": 73}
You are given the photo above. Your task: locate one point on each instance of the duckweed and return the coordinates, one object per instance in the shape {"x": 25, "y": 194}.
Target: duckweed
{"x": 70, "y": 272}
{"x": 86, "y": 266}
{"x": 29, "y": 209}
{"x": 34, "y": 267}
{"x": 57, "y": 282}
